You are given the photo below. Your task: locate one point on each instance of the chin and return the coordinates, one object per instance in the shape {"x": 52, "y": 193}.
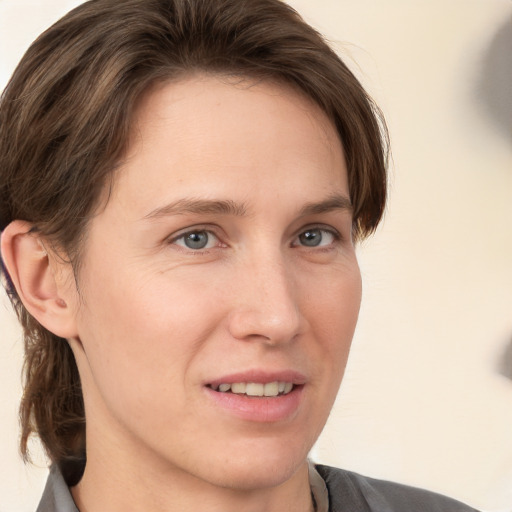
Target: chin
{"x": 264, "y": 468}
{"x": 255, "y": 478}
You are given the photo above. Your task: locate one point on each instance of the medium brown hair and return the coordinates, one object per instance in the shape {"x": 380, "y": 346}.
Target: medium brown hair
{"x": 64, "y": 125}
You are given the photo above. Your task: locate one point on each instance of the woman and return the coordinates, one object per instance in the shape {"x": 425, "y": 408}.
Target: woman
{"x": 182, "y": 186}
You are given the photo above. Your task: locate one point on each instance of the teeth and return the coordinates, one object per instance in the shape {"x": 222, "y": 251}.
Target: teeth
{"x": 255, "y": 388}
{"x": 271, "y": 389}
{"x": 238, "y": 387}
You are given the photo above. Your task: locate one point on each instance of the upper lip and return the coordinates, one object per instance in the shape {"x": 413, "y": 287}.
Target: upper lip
{"x": 260, "y": 376}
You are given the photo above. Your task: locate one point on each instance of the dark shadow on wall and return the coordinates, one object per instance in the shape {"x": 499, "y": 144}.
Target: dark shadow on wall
{"x": 494, "y": 93}
{"x": 505, "y": 363}
{"x": 494, "y": 89}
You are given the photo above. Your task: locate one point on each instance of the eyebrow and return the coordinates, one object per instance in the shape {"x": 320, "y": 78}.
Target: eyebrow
{"x": 199, "y": 206}
{"x": 333, "y": 202}
{"x": 229, "y": 207}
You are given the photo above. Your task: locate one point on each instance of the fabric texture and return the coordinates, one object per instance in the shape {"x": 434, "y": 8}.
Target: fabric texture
{"x": 319, "y": 491}
{"x": 340, "y": 491}
{"x": 356, "y": 493}
{"x": 56, "y": 496}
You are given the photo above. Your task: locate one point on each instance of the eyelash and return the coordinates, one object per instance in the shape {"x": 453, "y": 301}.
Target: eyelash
{"x": 198, "y": 230}
{"x": 336, "y": 237}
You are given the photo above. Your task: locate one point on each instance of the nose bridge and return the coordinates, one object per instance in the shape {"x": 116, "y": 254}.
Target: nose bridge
{"x": 267, "y": 305}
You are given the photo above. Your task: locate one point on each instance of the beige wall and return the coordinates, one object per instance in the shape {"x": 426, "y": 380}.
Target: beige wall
{"x": 423, "y": 401}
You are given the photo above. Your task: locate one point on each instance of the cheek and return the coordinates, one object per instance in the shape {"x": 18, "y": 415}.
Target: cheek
{"x": 336, "y": 302}
{"x": 333, "y": 314}
{"x": 332, "y": 311}
{"x": 143, "y": 334}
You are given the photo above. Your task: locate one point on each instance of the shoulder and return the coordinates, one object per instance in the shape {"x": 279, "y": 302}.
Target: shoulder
{"x": 368, "y": 494}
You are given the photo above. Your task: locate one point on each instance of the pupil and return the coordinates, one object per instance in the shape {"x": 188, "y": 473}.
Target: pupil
{"x": 196, "y": 240}
{"x": 311, "y": 237}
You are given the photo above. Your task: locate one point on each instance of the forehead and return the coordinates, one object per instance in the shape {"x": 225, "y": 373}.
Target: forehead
{"x": 206, "y": 134}
{"x": 223, "y": 102}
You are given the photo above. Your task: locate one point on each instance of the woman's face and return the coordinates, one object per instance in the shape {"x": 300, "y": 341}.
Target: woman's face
{"x": 222, "y": 267}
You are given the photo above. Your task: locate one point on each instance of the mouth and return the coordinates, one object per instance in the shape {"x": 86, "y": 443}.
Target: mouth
{"x": 255, "y": 389}
{"x": 258, "y": 396}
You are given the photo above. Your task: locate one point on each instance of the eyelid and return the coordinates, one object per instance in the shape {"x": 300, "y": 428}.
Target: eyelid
{"x": 181, "y": 234}
{"x": 213, "y": 231}
{"x": 322, "y": 227}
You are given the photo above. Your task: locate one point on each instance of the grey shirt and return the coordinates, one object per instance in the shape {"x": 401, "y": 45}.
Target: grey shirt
{"x": 56, "y": 496}
{"x": 333, "y": 490}
{"x": 351, "y": 492}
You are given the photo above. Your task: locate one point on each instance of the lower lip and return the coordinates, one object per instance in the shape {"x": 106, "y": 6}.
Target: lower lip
{"x": 259, "y": 409}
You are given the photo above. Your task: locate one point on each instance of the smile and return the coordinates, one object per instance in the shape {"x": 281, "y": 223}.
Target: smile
{"x": 258, "y": 395}
{"x": 255, "y": 389}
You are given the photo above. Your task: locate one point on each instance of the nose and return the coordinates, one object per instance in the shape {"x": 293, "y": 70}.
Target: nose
{"x": 265, "y": 305}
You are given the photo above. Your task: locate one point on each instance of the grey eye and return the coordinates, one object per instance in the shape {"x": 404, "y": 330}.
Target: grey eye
{"x": 196, "y": 239}
{"x": 311, "y": 237}
{"x": 316, "y": 237}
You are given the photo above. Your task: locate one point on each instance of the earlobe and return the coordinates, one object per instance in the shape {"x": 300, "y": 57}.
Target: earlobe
{"x": 33, "y": 271}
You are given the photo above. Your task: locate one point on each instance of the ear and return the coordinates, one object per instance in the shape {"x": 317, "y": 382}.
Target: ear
{"x": 41, "y": 280}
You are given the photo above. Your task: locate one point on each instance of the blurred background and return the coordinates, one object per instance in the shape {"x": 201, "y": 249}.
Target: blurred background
{"x": 427, "y": 396}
